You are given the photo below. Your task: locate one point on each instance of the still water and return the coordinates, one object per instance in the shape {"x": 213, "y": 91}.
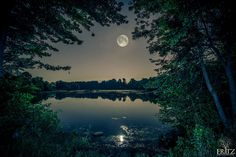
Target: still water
{"x": 117, "y": 113}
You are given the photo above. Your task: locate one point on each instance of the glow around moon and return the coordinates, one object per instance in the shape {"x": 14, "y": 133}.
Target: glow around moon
{"x": 122, "y": 40}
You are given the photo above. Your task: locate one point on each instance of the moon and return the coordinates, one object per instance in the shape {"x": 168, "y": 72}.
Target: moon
{"x": 122, "y": 40}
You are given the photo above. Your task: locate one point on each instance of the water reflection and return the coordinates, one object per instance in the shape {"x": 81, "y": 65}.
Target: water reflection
{"x": 113, "y": 95}
{"x": 120, "y": 140}
{"x": 116, "y": 117}
{"x": 121, "y": 137}
{"x": 104, "y": 115}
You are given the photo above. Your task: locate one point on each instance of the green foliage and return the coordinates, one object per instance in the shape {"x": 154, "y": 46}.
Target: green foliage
{"x": 28, "y": 129}
{"x": 202, "y": 143}
{"x": 43, "y": 85}
{"x": 186, "y": 104}
{"x": 84, "y": 142}
{"x": 31, "y": 28}
{"x": 185, "y": 33}
{"x": 141, "y": 155}
{"x": 189, "y": 31}
{"x": 183, "y": 97}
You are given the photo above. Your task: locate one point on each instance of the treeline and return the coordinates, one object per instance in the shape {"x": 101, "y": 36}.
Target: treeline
{"x": 113, "y": 84}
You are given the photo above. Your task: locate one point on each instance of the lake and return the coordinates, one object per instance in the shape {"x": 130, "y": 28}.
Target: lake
{"x": 116, "y": 116}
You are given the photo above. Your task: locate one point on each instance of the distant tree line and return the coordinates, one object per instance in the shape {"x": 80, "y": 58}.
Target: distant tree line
{"x": 105, "y": 85}
{"x": 112, "y": 84}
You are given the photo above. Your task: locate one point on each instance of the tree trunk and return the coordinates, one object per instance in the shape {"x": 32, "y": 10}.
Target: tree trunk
{"x": 214, "y": 96}
{"x": 2, "y": 48}
{"x": 232, "y": 87}
{"x": 227, "y": 66}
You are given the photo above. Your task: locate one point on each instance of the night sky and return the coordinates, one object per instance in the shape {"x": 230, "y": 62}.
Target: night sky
{"x": 100, "y": 58}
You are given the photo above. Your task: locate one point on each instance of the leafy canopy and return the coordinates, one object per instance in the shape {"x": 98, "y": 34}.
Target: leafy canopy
{"x": 31, "y": 26}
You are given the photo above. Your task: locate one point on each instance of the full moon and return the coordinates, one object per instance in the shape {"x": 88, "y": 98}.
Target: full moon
{"x": 122, "y": 40}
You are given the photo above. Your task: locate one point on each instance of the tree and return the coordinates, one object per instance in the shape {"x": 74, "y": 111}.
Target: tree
{"x": 191, "y": 31}
{"x": 30, "y": 26}
{"x": 124, "y": 81}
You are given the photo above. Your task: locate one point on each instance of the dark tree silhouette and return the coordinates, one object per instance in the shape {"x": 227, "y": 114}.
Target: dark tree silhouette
{"x": 28, "y": 26}
{"x": 95, "y": 85}
{"x": 200, "y": 32}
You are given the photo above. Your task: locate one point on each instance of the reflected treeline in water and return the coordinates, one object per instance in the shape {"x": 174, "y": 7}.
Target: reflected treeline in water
{"x": 120, "y": 95}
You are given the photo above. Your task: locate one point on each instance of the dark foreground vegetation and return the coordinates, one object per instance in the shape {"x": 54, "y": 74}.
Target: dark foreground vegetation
{"x": 30, "y": 128}
{"x": 195, "y": 85}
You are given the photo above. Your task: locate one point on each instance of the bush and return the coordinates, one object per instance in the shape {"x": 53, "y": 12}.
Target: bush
{"x": 29, "y": 129}
{"x": 200, "y": 142}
